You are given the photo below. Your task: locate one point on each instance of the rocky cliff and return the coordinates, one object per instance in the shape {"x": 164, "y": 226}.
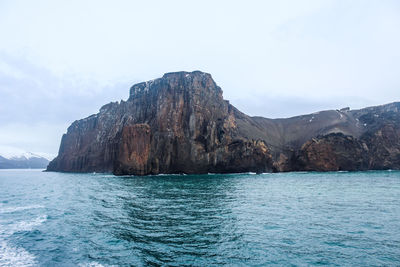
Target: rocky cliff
{"x": 176, "y": 124}
{"x": 180, "y": 123}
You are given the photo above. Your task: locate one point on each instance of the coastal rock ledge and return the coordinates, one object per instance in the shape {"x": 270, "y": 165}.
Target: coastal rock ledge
{"x": 180, "y": 123}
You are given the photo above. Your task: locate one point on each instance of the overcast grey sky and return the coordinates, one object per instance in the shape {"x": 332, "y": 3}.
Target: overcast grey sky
{"x": 62, "y": 60}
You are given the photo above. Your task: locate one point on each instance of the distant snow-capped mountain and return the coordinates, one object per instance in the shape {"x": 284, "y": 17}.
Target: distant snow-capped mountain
{"x": 15, "y": 158}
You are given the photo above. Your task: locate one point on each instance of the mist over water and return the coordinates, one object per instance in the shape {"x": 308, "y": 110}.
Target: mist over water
{"x": 53, "y": 219}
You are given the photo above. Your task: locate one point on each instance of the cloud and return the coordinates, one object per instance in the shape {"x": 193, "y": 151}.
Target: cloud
{"x": 61, "y": 61}
{"x": 40, "y": 138}
{"x": 37, "y": 106}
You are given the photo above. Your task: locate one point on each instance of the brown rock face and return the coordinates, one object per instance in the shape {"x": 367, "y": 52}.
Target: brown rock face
{"x": 176, "y": 124}
{"x": 134, "y": 150}
{"x": 180, "y": 123}
{"x": 333, "y": 152}
{"x": 382, "y": 142}
{"x": 376, "y": 146}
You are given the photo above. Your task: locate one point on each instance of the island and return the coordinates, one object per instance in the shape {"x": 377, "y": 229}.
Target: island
{"x": 180, "y": 123}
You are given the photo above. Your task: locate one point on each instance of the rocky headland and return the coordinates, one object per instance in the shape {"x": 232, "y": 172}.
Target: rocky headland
{"x": 180, "y": 123}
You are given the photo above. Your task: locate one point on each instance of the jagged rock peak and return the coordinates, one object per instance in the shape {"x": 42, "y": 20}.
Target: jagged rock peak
{"x": 181, "y": 80}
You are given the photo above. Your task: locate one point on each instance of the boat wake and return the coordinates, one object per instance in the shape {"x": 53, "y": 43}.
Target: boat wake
{"x": 14, "y": 209}
{"x": 10, "y": 254}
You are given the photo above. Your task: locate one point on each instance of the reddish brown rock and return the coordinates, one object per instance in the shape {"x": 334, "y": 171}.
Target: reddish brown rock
{"x": 176, "y": 124}
{"x": 134, "y": 150}
{"x": 333, "y": 152}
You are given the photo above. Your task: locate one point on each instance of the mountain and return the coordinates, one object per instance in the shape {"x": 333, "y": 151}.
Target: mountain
{"x": 12, "y": 158}
{"x": 180, "y": 123}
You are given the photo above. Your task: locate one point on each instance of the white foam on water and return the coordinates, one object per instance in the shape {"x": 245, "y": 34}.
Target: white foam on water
{"x": 15, "y": 256}
{"x": 92, "y": 264}
{"x": 14, "y": 209}
{"x": 26, "y": 225}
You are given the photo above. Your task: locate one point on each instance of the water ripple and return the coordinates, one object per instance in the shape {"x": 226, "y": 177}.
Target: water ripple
{"x": 200, "y": 220}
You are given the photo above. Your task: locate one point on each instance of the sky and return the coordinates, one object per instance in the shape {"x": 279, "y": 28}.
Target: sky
{"x": 62, "y": 60}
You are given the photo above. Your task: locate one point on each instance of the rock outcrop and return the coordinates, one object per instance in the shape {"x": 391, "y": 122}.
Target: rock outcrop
{"x": 375, "y": 145}
{"x": 176, "y": 124}
{"x": 180, "y": 123}
{"x": 333, "y": 152}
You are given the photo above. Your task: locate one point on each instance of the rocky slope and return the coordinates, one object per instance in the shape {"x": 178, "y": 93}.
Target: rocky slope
{"x": 180, "y": 123}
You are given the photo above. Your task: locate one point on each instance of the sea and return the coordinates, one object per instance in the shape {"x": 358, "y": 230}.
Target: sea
{"x": 277, "y": 219}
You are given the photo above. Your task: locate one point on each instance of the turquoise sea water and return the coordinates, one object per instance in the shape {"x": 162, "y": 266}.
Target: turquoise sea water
{"x": 298, "y": 219}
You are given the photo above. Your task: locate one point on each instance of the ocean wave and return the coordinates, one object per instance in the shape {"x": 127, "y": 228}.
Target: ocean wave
{"x": 14, "y": 209}
{"x": 23, "y": 226}
{"x": 93, "y": 264}
{"x": 15, "y": 256}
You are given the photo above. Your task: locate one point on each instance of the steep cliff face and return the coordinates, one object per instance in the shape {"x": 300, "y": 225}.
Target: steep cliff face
{"x": 176, "y": 124}
{"x": 180, "y": 123}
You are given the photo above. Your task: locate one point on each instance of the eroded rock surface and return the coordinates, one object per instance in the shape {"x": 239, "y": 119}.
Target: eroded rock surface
{"x": 180, "y": 123}
{"x": 176, "y": 124}
{"x": 333, "y": 152}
